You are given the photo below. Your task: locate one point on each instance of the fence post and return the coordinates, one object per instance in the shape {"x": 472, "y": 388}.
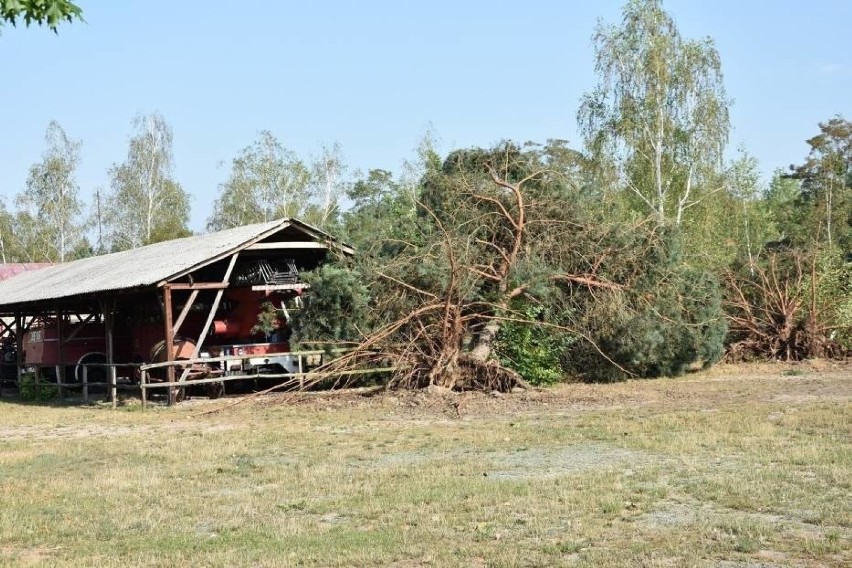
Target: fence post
{"x": 59, "y": 382}
{"x": 143, "y": 379}
{"x": 85, "y": 383}
{"x": 112, "y": 393}
{"x": 301, "y": 373}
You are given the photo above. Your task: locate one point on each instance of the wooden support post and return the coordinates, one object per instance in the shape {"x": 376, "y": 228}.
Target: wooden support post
{"x": 113, "y": 395}
{"x": 169, "y": 338}
{"x": 6, "y": 329}
{"x": 19, "y": 344}
{"x": 85, "y": 383}
{"x": 107, "y": 307}
{"x": 301, "y": 376}
{"x": 60, "y": 368}
{"x": 59, "y": 383}
{"x": 37, "y": 382}
{"x": 143, "y": 380}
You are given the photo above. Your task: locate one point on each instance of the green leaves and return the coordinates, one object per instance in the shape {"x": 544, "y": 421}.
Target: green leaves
{"x": 49, "y": 224}
{"x": 659, "y": 117}
{"x": 41, "y": 12}
{"x": 145, "y": 204}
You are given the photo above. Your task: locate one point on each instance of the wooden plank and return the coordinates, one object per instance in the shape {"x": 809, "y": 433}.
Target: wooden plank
{"x": 289, "y": 245}
{"x": 199, "y": 285}
{"x": 86, "y": 383}
{"x": 185, "y": 311}
{"x": 150, "y": 366}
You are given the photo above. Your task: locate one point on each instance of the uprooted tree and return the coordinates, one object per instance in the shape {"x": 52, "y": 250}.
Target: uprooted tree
{"x": 501, "y": 241}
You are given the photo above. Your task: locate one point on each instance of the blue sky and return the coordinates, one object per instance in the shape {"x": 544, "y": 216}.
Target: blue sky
{"x": 374, "y": 76}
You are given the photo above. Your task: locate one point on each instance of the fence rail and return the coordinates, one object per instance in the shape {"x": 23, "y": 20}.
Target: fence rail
{"x": 145, "y": 383}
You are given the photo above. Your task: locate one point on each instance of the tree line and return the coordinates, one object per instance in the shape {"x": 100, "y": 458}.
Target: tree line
{"x": 50, "y": 220}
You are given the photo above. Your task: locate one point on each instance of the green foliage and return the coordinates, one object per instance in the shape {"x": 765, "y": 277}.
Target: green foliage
{"x": 533, "y": 350}
{"x": 29, "y": 391}
{"x": 268, "y": 319}
{"x": 669, "y": 321}
{"x": 825, "y": 197}
{"x": 40, "y": 12}
{"x": 658, "y": 120}
{"x": 50, "y": 208}
{"x": 269, "y": 181}
{"x": 833, "y": 295}
{"x": 335, "y": 309}
{"x": 146, "y": 205}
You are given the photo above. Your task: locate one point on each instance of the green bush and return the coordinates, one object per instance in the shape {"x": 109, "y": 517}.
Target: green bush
{"x": 665, "y": 323}
{"x": 533, "y": 351}
{"x": 29, "y": 392}
{"x": 335, "y": 308}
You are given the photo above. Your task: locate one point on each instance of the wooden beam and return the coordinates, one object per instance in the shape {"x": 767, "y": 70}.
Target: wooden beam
{"x": 169, "y": 338}
{"x": 212, "y": 314}
{"x": 185, "y": 311}
{"x": 80, "y": 326}
{"x": 107, "y": 307}
{"x": 60, "y": 335}
{"x": 198, "y": 285}
{"x": 19, "y": 345}
{"x": 289, "y": 245}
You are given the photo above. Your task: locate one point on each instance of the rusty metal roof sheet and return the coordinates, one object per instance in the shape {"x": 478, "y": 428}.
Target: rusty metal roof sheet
{"x": 14, "y": 268}
{"x": 145, "y": 266}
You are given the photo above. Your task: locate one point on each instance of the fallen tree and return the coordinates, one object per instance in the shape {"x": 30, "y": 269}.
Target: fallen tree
{"x": 509, "y": 239}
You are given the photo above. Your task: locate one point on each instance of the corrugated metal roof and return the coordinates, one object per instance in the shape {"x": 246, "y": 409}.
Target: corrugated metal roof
{"x": 14, "y": 268}
{"x": 144, "y": 266}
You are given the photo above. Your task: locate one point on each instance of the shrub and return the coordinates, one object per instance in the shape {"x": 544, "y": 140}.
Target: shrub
{"x": 335, "y": 308}
{"x": 29, "y": 392}
{"x": 533, "y": 351}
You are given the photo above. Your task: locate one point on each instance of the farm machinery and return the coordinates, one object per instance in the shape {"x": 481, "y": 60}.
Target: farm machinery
{"x": 246, "y": 331}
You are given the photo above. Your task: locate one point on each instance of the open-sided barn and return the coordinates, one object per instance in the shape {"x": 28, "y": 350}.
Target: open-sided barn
{"x": 176, "y": 300}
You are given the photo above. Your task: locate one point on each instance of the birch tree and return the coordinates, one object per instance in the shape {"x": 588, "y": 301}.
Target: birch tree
{"x": 145, "y": 204}
{"x": 326, "y": 186}
{"x": 658, "y": 118}
{"x": 267, "y": 181}
{"x": 49, "y": 209}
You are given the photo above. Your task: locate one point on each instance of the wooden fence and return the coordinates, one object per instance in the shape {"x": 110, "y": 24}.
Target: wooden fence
{"x": 146, "y": 383}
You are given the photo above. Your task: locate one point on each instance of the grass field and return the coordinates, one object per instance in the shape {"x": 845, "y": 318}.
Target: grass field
{"x": 738, "y": 467}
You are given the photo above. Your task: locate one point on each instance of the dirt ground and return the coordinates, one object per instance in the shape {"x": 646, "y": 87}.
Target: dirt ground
{"x": 804, "y": 382}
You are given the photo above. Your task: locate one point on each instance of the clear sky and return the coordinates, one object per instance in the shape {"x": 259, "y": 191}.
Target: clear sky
{"x": 374, "y": 75}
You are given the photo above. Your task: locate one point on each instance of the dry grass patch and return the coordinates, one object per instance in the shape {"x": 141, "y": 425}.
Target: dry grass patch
{"x": 723, "y": 469}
